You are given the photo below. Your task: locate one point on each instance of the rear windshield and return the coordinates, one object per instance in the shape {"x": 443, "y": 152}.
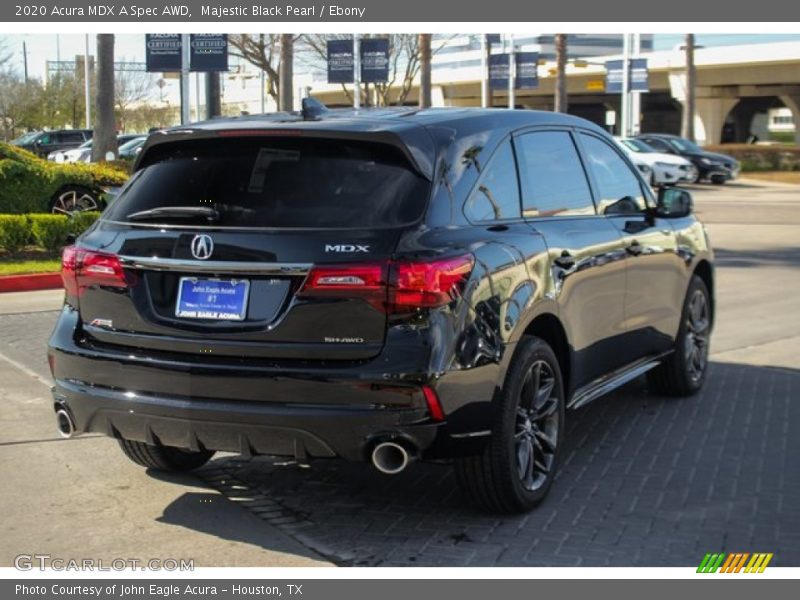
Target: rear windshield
{"x": 275, "y": 182}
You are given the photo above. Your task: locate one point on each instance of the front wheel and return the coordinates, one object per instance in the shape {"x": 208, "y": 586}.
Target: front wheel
{"x": 683, "y": 372}
{"x": 164, "y": 458}
{"x": 517, "y": 467}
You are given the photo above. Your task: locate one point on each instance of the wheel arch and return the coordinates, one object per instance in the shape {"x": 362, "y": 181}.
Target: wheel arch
{"x": 548, "y": 327}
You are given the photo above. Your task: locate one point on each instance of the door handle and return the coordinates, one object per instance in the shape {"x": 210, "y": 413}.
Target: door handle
{"x": 634, "y": 249}
{"x": 565, "y": 261}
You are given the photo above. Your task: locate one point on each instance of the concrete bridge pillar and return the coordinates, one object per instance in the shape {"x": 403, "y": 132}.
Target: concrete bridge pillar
{"x": 710, "y": 117}
{"x": 793, "y": 103}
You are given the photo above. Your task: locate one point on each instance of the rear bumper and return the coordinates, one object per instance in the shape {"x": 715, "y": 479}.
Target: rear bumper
{"x": 246, "y": 409}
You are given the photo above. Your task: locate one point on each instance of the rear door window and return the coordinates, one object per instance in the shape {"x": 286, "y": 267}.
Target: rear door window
{"x": 554, "y": 183}
{"x": 278, "y": 183}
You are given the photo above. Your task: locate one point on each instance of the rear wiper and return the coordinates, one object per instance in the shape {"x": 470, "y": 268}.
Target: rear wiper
{"x": 176, "y": 212}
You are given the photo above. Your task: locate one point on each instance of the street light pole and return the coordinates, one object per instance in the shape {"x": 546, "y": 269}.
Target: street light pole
{"x": 356, "y": 71}
{"x": 485, "y": 50}
{"x": 185, "y": 94}
{"x": 626, "y": 86}
{"x": 636, "y": 97}
{"x": 86, "y": 83}
{"x": 512, "y": 101}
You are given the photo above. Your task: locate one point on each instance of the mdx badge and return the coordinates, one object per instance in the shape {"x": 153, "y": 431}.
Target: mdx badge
{"x": 202, "y": 246}
{"x": 348, "y": 248}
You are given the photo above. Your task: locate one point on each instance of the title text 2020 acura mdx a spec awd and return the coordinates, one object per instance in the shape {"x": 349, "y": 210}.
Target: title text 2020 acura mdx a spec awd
{"x": 379, "y": 286}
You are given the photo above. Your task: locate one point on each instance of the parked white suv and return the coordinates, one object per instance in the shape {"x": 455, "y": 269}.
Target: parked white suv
{"x": 666, "y": 169}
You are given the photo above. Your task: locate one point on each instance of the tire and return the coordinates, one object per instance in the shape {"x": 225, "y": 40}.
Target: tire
{"x": 164, "y": 458}
{"x": 73, "y": 199}
{"x": 684, "y": 371}
{"x": 516, "y": 469}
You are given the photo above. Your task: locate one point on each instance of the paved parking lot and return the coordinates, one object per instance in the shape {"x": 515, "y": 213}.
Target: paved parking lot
{"x": 644, "y": 481}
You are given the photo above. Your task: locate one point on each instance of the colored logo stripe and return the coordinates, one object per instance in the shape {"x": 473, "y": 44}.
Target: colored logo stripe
{"x": 735, "y": 562}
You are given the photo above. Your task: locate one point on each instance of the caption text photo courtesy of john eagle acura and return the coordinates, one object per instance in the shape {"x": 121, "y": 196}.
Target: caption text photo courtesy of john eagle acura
{"x": 385, "y": 286}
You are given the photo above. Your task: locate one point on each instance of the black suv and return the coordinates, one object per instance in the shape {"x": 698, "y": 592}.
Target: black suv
{"x": 378, "y": 286}
{"x": 51, "y": 141}
{"x": 713, "y": 167}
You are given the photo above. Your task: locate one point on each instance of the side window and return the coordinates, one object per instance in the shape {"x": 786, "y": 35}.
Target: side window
{"x": 618, "y": 187}
{"x": 657, "y": 144}
{"x": 553, "y": 180}
{"x": 496, "y": 196}
{"x": 46, "y": 138}
{"x": 71, "y": 137}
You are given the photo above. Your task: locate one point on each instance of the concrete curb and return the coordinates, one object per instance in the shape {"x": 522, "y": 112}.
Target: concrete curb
{"x": 31, "y": 282}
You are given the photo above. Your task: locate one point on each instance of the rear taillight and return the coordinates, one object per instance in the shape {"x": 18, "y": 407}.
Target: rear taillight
{"x": 82, "y": 268}
{"x": 428, "y": 284}
{"x": 394, "y": 287}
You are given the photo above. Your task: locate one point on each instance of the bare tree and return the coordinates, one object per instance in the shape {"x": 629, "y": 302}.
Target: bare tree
{"x": 261, "y": 51}
{"x": 424, "y": 70}
{"x": 560, "y": 100}
{"x": 5, "y": 56}
{"x": 687, "y": 119}
{"x": 130, "y": 89}
{"x": 105, "y": 135}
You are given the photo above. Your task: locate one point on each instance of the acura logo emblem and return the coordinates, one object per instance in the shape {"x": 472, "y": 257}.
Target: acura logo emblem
{"x": 202, "y": 246}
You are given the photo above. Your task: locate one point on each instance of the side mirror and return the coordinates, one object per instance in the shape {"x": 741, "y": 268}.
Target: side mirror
{"x": 674, "y": 203}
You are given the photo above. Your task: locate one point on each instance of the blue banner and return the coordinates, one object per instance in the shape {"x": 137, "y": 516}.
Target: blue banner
{"x": 163, "y": 52}
{"x": 209, "y": 52}
{"x": 498, "y": 71}
{"x": 637, "y": 71}
{"x": 526, "y": 76}
{"x": 375, "y": 60}
{"x": 340, "y": 61}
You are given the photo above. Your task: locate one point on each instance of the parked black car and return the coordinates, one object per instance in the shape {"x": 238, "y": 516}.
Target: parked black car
{"x": 713, "y": 167}
{"x": 379, "y": 286}
{"x": 49, "y": 141}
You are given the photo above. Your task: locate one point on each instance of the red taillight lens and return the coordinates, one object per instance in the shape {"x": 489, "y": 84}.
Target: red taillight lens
{"x": 429, "y": 284}
{"x": 365, "y": 281}
{"x": 81, "y": 268}
{"x": 411, "y": 285}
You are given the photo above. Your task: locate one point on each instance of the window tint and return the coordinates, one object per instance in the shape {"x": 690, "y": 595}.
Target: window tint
{"x": 71, "y": 137}
{"x": 553, "y": 180}
{"x": 657, "y": 144}
{"x": 278, "y": 182}
{"x": 618, "y": 187}
{"x": 496, "y": 196}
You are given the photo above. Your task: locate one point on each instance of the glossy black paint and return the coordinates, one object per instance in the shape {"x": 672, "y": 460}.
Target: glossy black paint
{"x": 605, "y": 291}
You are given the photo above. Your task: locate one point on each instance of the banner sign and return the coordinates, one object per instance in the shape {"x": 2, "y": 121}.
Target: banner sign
{"x": 209, "y": 52}
{"x": 526, "y": 75}
{"x": 340, "y": 61}
{"x": 163, "y": 52}
{"x": 637, "y": 70}
{"x": 375, "y": 60}
{"x": 498, "y": 71}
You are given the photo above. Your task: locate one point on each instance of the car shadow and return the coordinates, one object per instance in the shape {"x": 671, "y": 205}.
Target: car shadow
{"x": 644, "y": 480}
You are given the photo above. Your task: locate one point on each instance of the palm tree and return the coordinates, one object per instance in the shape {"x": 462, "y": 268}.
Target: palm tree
{"x": 424, "y": 70}
{"x": 285, "y": 72}
{"x": 560, "y": 101}
{"x": 105, "y": 134}
{"x": 687, "y": 121}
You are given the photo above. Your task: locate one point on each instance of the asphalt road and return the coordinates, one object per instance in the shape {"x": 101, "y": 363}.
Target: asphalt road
{"x": 645, "y": 480}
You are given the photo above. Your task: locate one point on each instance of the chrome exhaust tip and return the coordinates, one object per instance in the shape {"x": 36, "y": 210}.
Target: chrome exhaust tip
{"x": 64, "y": 422}
{"x": 390, "y": 458}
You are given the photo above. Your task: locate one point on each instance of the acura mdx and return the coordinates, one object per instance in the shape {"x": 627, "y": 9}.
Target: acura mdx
{"x": 379, "y": 285}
